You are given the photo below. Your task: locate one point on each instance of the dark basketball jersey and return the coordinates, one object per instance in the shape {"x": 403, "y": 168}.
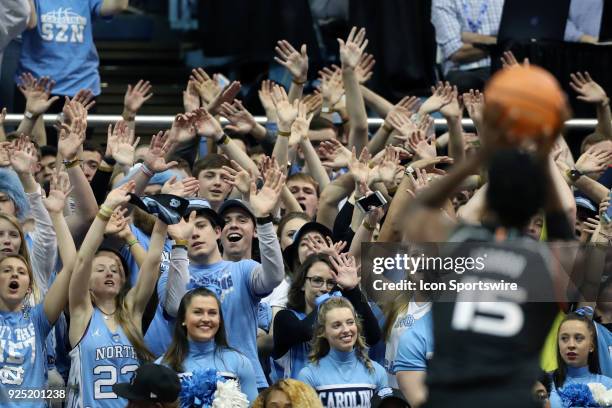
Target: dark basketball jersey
{"x": 493, "y": 338}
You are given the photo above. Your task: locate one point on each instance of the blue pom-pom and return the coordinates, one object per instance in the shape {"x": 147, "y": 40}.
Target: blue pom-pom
{"x": 198, "y": 389}
{"x": 577, "y": 395}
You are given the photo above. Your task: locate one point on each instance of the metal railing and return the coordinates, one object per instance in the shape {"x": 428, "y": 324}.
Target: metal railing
{"x": 166, "y": 120}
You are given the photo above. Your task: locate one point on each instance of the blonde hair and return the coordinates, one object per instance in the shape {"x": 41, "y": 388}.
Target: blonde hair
{"x": 299, "y": 393}
{"x": 319, "y": 346}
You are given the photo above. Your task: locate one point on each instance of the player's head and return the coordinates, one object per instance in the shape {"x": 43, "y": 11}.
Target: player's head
{"x": 288, "y": 393}
{"x": 517, "y": 187}
{"x": 199, "y": 319}
{"x": 338, "y": 327}
{"x": 16, "y": 281}
{"x": 577, "y": 345}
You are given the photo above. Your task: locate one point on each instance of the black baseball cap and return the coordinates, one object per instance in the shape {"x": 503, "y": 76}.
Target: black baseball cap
{"x": 388, "y": 394}
{"x": 291, "y": 252}
{"x": 236, "y": 203}
{"x": 167, "y": 207}
{"x": 151, "y": 382}
{"x": 202, "y": 207}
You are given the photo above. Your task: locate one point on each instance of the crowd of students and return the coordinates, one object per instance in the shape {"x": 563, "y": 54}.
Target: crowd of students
{"x": 245, "y": 256}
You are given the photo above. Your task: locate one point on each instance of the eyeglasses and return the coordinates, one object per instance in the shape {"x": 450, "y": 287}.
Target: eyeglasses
{"x": 318, "y": 282}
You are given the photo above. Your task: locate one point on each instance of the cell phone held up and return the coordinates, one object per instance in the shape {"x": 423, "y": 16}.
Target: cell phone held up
{"x": 375, "y": 199}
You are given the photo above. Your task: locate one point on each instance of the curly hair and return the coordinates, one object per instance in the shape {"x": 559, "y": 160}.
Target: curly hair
{"x": 299, "y": 393}
{"x": 319, "y": 346}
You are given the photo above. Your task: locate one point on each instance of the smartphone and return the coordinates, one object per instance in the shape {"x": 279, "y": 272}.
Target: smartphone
{"x": 222, "y": 80}
{"x": 375, "y": 199}
{"x": 607, "y": 216}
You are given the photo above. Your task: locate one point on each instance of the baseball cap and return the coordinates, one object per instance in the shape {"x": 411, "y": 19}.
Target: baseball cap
{"x": 387, "y": 394}
{"x": 167, "y": 207}
{"x": 202, "y": 207}
{"x": 151, "y": 382}
{"x": 236, "y": 203}
{"x": 291, "y": 252}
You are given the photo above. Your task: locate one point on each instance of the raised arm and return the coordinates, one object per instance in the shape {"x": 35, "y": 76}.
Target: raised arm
{"x": 178, "y": 273}
{"x": 296, "y": 63}
{"x": 38, "y": 100}
{"x": 241, "y": 120}
{"x": 300, "y": 128}
{"x": 79, "y": 298}
{"x": 591, "y": 92}
{"x": 350, "y": 54}
{"x": 452, "y": 112}
{"x": 286, "y": 113}
{"x": 57, "y": 296}
{"x": 331, "y": 196}
{"x": 139, "y": 295}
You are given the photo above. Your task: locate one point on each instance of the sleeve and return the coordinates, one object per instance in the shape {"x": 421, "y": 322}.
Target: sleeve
{"x": 411, "y": 352}
{"x": 99, "y": 184}
{"x": 14, "y": 16}
{"x": 307, "y": 376}
{"x": 264, "y": 316}
{"x": 267, "y": 276}
{"x": 371, "y": 327}
{"x": 95, "y": 6}
{"x": 246, "y": 375}
{"x": 289, "y": 330}
{"x": 269, "y": 140}
{"x": 382, "y": 379}
{"x": 342, "y": 225}
{"x": 44, "y": 242}
{"x": 445, "y": 20}
{"x": 175, "y": 281}
{"x": 572, "y": 33}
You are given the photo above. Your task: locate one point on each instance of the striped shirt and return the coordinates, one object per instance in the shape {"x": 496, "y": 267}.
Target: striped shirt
{"x": 453, "y": 17}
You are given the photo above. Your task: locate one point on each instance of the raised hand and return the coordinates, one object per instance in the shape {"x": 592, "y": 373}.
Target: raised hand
{"x": 286, "y": 111}
{"x": 588, "y": 90}
{"x": 72, "y": 136}
{"x": 594, "y": 160}
{"x": 352, "y": 49}
{"x": 313, "y": 102}
{"x": 187, "y": 187}
{"x": 182, "y": 128}
{"x": 326, "y": 247}
{"x": 121, "y": 144}
{"x": 364, "y": 68}
{"x": 333, "y": 154}
{"x": 118, "y": 225}
{"x": 420, "y": 182}
{"x": 79, "y": 105}
{"x": 419, "y": 145}
{"x": 120, "y": 195}
{"x": 136, "y": 96}
{"x": 453, "y": 109}
{"x": 301, "y": 124}
{"x": 296, "y": 62}
{"x": 206, "y": 125}
{"x": 265, "y": 97}
{"x": 160, "y": 145}
{"x": 59, "y": 191}
{"x": 22, "y": 155}
{"x": 5, "y": 160}
{"x": 237, "y": 177}
{"x": 241, "y": 120}
{"x": 386, "y": 169}
{"x": 399, "y": 119}
{"x": 183, "y": 230}
{"x": 358, "y": 167}
{"x": 191, "y": 100}
{"x": 345, "y": 270}
{"x": 442, "y": 95}
{"x": 332, "y": 87}
{"x": 508, "y": 60}
{"x": 37, "y": 94}
{"x": 228, "y": 94}
{"x": 264, "y": 201}
{"x": 474, "y": 102}
{"x": 207, "y": 88}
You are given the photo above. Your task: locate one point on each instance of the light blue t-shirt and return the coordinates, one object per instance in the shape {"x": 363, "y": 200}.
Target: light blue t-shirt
{"x": 61, "y": 46}
{"x": 232, "y": 281}
{"x": 342, "y": 380}
{"x": 100, "y": 359}
{"x": 577, "y": 376}
{"x": 415, "y": 346}
{"x": 604, "y": 346}
{"x": 22, "y": 354}
{"x": 229, "y": 364}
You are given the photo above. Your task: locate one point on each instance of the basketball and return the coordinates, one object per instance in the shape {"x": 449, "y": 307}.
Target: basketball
{"x": 530, "y": 102}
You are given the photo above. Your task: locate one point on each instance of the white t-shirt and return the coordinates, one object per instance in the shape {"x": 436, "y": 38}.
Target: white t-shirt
{"x": 278, "y": 297}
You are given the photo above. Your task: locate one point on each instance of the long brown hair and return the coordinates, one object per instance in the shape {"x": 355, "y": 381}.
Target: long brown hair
{"x": 319, "y": 346}
{"x": 560, "y": 373}
{"x": 295, "y": 298}
{"x": 123, "y": 315}
{"x": 179, "y": 348}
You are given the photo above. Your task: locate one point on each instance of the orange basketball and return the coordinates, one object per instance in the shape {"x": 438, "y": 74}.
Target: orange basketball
{"x": 530, "y": 101}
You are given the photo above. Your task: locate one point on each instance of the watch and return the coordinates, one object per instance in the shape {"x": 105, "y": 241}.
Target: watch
{"x": 264, "y": 220}
{"x": 409, "y": 171}
{"x": 574, "y": 174}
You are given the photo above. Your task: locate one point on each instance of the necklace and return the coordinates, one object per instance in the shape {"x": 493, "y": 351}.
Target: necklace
{"x": 107, "y": 315}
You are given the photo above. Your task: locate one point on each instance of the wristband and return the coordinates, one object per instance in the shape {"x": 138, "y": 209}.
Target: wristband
{"x": 106, "y": 211}
{"x": 325, "y": 109}
{"x": 295, "y": 81}
{"x": 284, "y": 134}
{"x": 181, "y": 242}
{"x": 264, "y": 220}
{"x": 409, "y": 170}
{"x": 103, "y": 217}
{"x": 105, "y": 168}
{"x": 146, "y": 170}
{"x": 109, "y": 160}
{"x": 132, "y": 242}
{"x": 386, "y": 128}
{"x": 223, "y": 139}
{"x": 72, "y": 163}
{"x": 28, "y": 114}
